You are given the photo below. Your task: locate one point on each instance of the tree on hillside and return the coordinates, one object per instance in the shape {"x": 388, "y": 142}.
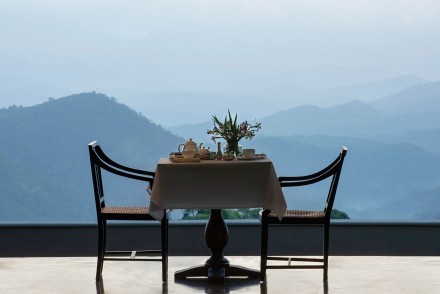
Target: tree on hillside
{"x": 242, "y": 213}
{"x": 338, "y": 214}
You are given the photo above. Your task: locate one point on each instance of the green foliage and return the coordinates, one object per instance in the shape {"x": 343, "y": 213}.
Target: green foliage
{"x": 195, "y": 214}
{"x": 241, "y": 213}
{"x": 337, "y": 214}
{"x": 246, "y": 213}
{"x": 231, "y": 131}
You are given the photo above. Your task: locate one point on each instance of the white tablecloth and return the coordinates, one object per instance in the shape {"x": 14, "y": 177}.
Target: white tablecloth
{"x": 216, "y": 184}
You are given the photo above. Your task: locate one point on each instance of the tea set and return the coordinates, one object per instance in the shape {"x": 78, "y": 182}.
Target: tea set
{"x": 190, "y": 149}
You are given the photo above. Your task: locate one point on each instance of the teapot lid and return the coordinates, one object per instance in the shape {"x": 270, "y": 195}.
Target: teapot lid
{"x": 190, "y": 142}
{"x": 204, "y": 150}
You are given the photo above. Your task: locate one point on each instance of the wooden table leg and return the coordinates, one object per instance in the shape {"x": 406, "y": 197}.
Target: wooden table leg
{"x": 217, "y": 267}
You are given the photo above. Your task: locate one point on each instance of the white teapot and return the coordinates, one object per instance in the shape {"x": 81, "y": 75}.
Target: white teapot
{"x": 189, "y": 146}
{"x": 204, "y": 153}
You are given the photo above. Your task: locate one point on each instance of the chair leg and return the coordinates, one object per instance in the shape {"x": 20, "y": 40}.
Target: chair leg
{"x": 326, "y": 245}
{"x": 263, "y": 248}
{"x": 101, "y": 248}
{"x": 164, "y": 241}
{"x": 104, "y": 243}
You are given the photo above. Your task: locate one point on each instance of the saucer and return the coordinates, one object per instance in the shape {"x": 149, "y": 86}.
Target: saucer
{"x": 228, "y": 157}
{"x": 248, "y": 158}
{"x": 256, "y": 156}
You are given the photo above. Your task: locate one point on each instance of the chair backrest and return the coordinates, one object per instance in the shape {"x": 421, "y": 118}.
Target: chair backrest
{"x": 99, "y": 160}
{"x": 332, "y": 170}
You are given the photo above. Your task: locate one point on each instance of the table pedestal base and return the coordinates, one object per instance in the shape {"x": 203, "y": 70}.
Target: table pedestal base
{"x": 217, "y": 275}
{"x": 217, "y": 267}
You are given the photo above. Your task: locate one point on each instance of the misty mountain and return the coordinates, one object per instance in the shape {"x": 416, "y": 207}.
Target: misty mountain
{"x": 427, "y": 139}
{"x": 420, "y": 98}
{"x": 172, "y": 107}
{"x": 26, "y": 91}
{"x": 353, "y": 119}
{"x": 374, "y": 174}
{"x": 345, "y": 120}
{"x": 197, "y": 131}
{"x": 265, "y": 97}
{"x": 44, "y": 153}
{"x": 417, "y": 109}
{"x": 365, "y": 91}
{"x": 44, "y": 157}
{"x": 419, "y": 205}
{"x": 195, "y": 107}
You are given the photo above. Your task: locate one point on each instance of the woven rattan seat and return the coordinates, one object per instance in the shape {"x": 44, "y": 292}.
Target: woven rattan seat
{"x": 125, "y": 210}
{"x": 300, "y": 214}
{"x": 303, "y": 217}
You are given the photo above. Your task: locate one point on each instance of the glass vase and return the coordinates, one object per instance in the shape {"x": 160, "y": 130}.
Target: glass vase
{"x": 232, "y": 147}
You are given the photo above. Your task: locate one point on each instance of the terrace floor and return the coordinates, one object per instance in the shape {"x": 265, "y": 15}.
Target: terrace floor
{"x": 347, "y": 274}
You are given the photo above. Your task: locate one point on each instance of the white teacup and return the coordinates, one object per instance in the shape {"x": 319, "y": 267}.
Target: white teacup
{"x": 248, "y": 152}
{"x": 188, "y": 153}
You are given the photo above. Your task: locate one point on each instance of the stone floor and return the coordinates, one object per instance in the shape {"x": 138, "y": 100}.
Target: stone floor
{"x": 354, "y": 274}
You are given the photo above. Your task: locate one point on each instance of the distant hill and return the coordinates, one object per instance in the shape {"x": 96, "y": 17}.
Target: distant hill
{"x": 374, "y": 173}
{"x": 364, "y": 92}
{"x": 263, "y": 100}
{"x": 197, "y": 131}
{"x": 25, "y": 91}
{"x": 190, "y": 107}
{"x": 397, "y": 165}
{"x": 355, "y": 119}
{"x": 45, "y": 172}
{"x": 420, "y": 98}
{"x": 420, "y": 205}
{"x": 372, "y": 120}
{"x": 345, "y": 120}
{"x": 44, "y": 157}
{"x": 428, "y": 139}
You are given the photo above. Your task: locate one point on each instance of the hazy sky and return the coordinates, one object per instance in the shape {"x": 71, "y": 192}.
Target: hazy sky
{"x": 129, "y": 47}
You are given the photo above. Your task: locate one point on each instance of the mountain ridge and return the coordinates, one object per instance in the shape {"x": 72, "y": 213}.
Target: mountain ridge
{"x": 419, "y": 98}
{"x": 48, "y": 172}
{"x": 46, "y": 147}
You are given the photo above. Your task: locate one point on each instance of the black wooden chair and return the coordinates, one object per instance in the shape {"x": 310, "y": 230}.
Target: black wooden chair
{"x": 303, "y": 217}
{"x": 98, "y": 161}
